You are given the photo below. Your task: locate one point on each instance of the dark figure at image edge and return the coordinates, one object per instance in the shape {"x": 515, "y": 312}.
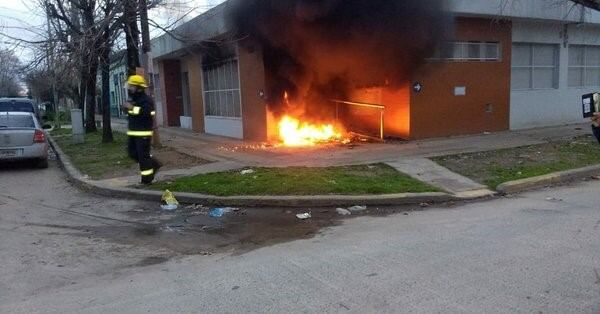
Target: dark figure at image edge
{"x": 140, "y": 111}
{"x": 596, "y": 131}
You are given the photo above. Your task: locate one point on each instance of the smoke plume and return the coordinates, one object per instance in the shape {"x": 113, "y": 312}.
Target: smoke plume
{"x": 322, "y": 48}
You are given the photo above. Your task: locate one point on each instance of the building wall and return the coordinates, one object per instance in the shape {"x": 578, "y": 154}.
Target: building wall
{"x": 157, "y": 93}
{"x": 557, "y": 10}
{"x": 192, "y": 63}
{"x": 436, "y": 111}
{"x": 171, "y": 79}
{"x": 547, "y": 107}
{"x": 396, "y": 122}
{"x": 252, "y": 83}
{"x": 117, "y": 88}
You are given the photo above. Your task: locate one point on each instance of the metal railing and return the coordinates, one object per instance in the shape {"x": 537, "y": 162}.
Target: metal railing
{"x": 381, "y": 109}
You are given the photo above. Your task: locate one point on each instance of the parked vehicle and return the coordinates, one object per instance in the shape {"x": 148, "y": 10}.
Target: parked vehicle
{"x": 22, "y": 138}
{"x": 19, "y": 105}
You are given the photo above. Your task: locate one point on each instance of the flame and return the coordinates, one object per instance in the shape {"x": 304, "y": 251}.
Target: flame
{"x": 293, "y": 132}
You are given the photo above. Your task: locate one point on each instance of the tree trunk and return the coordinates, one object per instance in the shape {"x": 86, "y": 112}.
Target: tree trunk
{"x": 90, "y": 97}
{"x": 91, "y": 51}
{"x": 132, "y": 36}
{"x": 107, "y": 136}
{"x": 83, "y": 77}
{"x": 146, "y": 47}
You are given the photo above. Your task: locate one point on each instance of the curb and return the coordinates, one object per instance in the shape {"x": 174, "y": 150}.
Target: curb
{"x": 548, "y": 179}
{"x": 84, "y": 183}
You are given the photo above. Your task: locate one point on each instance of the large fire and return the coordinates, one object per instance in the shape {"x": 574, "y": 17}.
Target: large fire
{"x": 293, "y": 132}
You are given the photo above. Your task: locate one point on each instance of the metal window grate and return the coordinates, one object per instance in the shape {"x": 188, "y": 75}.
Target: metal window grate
{"x": 222, "y": 89}
{"x": 468, "y": 51}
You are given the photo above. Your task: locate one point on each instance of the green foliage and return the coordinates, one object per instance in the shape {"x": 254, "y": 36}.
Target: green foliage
{"x": 65, "y": 117}
{"x": 495, "y": 167}
{"x": 349, "y": 180}
{"x": 93, "y": 157}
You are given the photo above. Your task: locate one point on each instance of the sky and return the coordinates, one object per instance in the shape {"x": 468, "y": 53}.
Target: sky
{"x": 23, "y": 19}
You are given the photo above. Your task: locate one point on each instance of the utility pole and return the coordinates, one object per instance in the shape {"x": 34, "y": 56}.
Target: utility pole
{"x": 146, "y": 48}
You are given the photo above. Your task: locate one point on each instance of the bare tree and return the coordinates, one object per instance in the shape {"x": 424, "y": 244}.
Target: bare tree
{"x": 80, "y": 40}
{"x": 9, "y": 74}
{"x": 39, "y": 81}
{"x": 107, "y": 136}
{"x": 87, "y": 29}
{"x": 132, "y": 34}
{"x": 592, "y": 4}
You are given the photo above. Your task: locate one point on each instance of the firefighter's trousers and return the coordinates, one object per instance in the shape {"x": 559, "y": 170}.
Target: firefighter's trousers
{"x": 138, "y": 149}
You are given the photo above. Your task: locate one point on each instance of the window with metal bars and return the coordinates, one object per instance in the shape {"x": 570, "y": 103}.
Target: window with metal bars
{"x": 468, "y": 51}
{"x": 222, "y": 89}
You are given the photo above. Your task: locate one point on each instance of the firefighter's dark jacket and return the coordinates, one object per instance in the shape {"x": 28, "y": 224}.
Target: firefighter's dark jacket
{"x": 141, "y": 116}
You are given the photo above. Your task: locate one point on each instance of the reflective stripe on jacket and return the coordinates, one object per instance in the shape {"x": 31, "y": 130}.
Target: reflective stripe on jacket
{"x": 141, "y": 116}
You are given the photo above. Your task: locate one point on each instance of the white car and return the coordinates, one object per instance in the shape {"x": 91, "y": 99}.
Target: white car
{"x": 22, "y": 138}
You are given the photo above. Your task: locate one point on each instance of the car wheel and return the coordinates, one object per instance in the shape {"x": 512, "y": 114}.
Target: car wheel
{"x": 42, "y": 163}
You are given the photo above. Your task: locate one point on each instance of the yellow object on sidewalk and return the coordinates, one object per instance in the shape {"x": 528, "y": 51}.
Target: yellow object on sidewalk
{"x": 168, "y": 198}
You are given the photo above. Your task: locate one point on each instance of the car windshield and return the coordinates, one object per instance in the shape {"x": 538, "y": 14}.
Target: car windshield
{"x": 18, "y": 106}
{"x": 16, "y": 121}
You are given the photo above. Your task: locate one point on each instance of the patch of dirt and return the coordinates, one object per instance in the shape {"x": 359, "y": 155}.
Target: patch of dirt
{"x": 477, "y": 165}
{"x": 176, "y": 160}
{"x": 170, "y": 158}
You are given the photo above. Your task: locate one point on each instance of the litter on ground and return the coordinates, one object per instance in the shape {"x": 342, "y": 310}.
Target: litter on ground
{"x": 304, "y": 216}
{"x": 247, "y": 171}
{"x": 357, "y": 208}
{"x": 343, "y": 211}
{"x": 168, "y": 200}
{"x": 221, "y": 211}
{"x": 553, "y": 199}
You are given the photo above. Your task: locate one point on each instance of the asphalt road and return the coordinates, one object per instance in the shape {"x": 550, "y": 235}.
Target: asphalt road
{"x": 63, "y": 251}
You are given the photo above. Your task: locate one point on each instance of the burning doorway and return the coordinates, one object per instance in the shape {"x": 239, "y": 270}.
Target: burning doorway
{"x": 320, "y": 55}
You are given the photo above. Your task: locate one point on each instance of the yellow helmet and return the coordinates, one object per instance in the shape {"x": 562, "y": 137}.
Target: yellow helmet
{"x": 137, "y": 80}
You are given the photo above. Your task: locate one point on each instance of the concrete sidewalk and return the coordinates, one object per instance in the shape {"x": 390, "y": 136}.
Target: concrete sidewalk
{"x": 407, "y": 157}
{"x": 258, "y": 154}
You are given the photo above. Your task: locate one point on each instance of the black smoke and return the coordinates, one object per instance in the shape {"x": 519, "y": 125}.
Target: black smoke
{"x": 321, "y": 49}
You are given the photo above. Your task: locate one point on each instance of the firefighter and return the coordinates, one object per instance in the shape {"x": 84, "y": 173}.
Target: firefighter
{"x": 140, "y": 110}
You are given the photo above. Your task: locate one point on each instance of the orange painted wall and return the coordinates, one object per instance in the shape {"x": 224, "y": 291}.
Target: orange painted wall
{"x": 192, "y": 63}
{"x": 252, "y": 80}
{"x": 396, "y": 114}
{"x": 437, "y": 112}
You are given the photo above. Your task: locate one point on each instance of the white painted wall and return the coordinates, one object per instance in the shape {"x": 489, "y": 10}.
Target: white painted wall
{"x": 558, "y": 10}
{"x": 547, "y": 107}
{"x": 229, "y": 127}
{"x": 158, "y": 98}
